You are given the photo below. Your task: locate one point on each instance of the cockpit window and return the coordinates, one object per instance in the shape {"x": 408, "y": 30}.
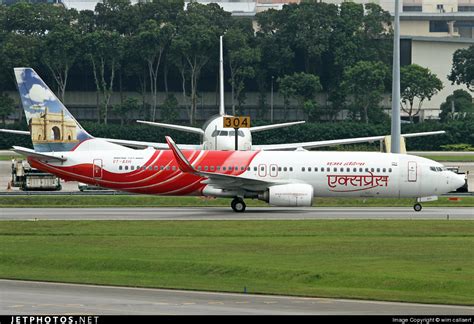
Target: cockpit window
{"x": 226, "y": 133}
{"x": 437, "y": 169}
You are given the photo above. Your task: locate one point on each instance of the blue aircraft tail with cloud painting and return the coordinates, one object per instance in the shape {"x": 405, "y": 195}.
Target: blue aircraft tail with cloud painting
{"x": 52, "y": 127}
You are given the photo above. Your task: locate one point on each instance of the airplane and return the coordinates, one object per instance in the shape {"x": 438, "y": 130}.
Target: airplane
{"x": 281, "y": 178}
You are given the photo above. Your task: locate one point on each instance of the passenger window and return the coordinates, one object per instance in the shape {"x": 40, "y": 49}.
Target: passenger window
{"x": 126, "y": 167}
{"x": 322, "y": 169}
{"x": 285, "y": 169}
{"x": 378, "y": 169}
{"x": 173, "y": 168}
{"x": 355, "y": 169}
{"x": 302, "y": 169}
{"x": 120, "y": 167}
{"x": 360, "y": 169}
{"x": 156, "y": 168}
{"x": 218, "y": 168}
{"x": 255, "y": 168}
{"x": 206, "y": 168}
{"x": 309, "y": 169}
{"x": 212, "y": 168}
{"x": 199, "y": 168}
{"x": 162, "y": 168}
{"x": 315, "y": 169}
{"x": 224, "y": 168}
{"x": 168, "y": 168}
{"x": 348, "y": 169}
{"x": 366, "y": 169}
{"x": 279, "y": 169}
{"x": 132, "y": 167}
{"x": 335, "y": 169}
{"x": 342, "y": 169}
{"x": 389, "y": 169}
{"x": 372, "y": 170}
{"x": 291, "y": 169}
{"x": 384, "y": 170}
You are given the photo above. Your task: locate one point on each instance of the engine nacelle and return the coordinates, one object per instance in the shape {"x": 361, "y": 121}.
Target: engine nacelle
{"x": 289, "y": 195}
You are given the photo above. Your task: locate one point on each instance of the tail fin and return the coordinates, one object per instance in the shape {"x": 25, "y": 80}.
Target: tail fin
{"x": 52, "y": 127}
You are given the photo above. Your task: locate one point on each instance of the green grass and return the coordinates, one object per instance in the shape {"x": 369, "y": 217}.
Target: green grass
{"x": 412, "y": 261}
{"x": 162, "y": 201}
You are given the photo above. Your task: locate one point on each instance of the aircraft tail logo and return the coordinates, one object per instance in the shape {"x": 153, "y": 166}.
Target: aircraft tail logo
{"x": 52, "y": 127}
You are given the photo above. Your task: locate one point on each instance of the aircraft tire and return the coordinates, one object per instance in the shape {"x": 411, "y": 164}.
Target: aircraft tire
{"x": 417, "y": 207}
{"x": 238, "y": 205}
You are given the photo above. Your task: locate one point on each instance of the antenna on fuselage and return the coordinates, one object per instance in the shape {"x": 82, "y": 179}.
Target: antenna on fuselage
{"x": 221, "y": 78}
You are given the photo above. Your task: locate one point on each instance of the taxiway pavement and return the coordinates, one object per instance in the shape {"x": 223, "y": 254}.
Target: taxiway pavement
{"x": 223, "y": 213}
{"x": 29, "y": 297}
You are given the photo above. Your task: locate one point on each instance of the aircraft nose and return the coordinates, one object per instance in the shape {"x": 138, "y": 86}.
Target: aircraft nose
{"x": 458, "y": 180}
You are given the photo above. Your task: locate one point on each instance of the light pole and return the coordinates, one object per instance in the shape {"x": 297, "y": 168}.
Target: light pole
{"x": 271, "y": 103}
{"x": 395, "y": 129}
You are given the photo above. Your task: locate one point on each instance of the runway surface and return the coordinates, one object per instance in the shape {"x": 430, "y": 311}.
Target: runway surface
{"x": 223, "y": 213}
{"x": 28, "y": 297}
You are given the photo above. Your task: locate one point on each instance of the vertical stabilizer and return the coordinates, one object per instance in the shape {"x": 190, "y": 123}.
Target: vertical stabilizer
{"x": 52, "y": 127}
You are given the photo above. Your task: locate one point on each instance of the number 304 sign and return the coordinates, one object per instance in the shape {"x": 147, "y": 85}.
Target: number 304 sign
{"x": 237, "y": 122}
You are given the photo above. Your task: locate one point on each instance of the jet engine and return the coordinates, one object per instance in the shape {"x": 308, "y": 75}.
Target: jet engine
{"x": 289, "y": 195}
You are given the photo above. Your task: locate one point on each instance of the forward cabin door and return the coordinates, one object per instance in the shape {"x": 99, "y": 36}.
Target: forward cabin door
{"x": 412, "y": 171}
{"x": 97, "y": 169}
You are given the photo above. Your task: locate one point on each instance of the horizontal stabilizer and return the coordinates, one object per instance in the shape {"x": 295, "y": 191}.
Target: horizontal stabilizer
{"x": 14, "y": 131}
{"x": 38, "y": 155}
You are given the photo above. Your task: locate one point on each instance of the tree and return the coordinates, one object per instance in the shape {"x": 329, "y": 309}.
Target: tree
{"x": 462, "y": 71}
{"x": 461, "y": 102}
{"x": 116, "y": 16}
{"x": 417, "y": 82}
{"x": 7, "y": 106}
{"x": 197, "y": 40}
{"x": 59, "y": 53}
{"x": 170, "y": 109}
{"x": 242, "y": 60}
{"x": 104, "y": 50}
{"x": 302, "y": 87}
{"x": 125, "y": 109}
{"x": 365, "y": 81}
{"x": 307, "y": 27}
{"x": 152, "y": 39}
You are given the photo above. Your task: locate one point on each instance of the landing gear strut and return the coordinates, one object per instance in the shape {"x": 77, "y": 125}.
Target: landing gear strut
{"x": 238, "y": 205}
{"x": 417, "y": 207}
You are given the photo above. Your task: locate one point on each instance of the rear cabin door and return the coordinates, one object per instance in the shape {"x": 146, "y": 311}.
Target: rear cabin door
{"x": 412, "y": 171}
{"x": 97, "y": 169}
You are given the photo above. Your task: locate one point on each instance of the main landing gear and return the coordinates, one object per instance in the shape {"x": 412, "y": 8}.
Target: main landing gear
{"x": 238, "y": 205}
{"x": 417, "y": 207}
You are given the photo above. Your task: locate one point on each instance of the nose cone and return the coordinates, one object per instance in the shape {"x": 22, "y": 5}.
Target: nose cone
{"x": 457, "y": 180}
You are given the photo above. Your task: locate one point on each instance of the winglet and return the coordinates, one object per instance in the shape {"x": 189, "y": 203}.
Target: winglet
{"x": 183, "y": 163}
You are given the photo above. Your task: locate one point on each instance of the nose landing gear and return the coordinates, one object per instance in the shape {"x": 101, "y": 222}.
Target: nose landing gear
{"x": 417, "y": 207}
{"x": 238, "y": 205}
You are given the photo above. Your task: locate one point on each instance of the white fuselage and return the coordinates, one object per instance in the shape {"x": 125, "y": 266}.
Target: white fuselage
{"x": 331, "y": 174}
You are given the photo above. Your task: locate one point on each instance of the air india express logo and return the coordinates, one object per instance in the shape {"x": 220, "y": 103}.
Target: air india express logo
{"x": 355, "y": 182}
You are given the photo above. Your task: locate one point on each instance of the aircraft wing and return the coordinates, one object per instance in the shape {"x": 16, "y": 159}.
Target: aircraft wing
{"x": 38, "y": 155}
{"x": 309, "y": 145}
{"x": 141, "y": 144}
{"x": 176, "y": 127}
{"x": 218, "y": 180}
{"x": 129, "y": 143}
{"x": 273, "y": 126}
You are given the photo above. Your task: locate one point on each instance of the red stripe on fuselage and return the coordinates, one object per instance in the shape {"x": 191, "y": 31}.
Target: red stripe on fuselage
{"x": 156, "y": 181}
